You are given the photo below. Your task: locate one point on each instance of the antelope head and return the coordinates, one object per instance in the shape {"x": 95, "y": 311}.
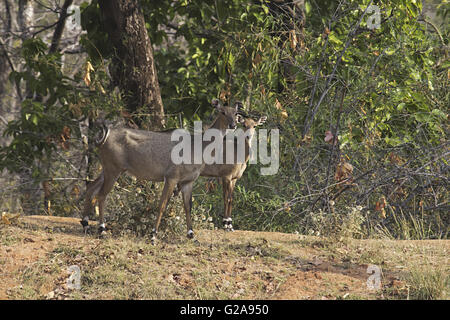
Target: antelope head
{"x": 227, "y": 118}
{"x": 250, "y": 125}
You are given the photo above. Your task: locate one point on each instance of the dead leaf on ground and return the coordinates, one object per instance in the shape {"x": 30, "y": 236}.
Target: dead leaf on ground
{"x": 344, "y": 171}
{"x": 8, "y": 218}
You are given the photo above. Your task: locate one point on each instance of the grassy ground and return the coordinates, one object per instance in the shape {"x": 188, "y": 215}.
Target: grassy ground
{"x": 36, "y": 252}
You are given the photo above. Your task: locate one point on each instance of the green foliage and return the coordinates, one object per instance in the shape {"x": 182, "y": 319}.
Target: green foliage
{"x": 96, "y": 43}
{"x": 204, "y": 49}
{"x": 39, "y": 125}
{"x": 52, "y": 111}
{"x": 291, "y": 63}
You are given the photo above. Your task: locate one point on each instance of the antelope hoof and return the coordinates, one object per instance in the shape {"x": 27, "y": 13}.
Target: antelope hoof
{"x": 190, "y": 234}
{"x": 85, "y": 225}
{"x": 228, "y": 228}
{"x": 102, "y": 231}
{"x": 227, "y": 224}
{"x": 153, "y": 238}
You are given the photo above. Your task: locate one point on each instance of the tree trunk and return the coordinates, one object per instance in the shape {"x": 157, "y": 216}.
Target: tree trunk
{"x": 25, "y": 17}
{"x": 30, "y": 195}
{"x": 133, "y": 69}
{"x": 60, "y": 26}
{"x": 4, "y": 63}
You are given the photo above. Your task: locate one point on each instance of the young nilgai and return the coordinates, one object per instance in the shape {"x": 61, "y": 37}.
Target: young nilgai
{"x": 147, "y": 155}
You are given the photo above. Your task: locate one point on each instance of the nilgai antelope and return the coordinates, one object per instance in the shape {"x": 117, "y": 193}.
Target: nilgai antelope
{"x": 147, "y": 155}
{"x": 222, "y": 127}
{"x": 231, "y": 172}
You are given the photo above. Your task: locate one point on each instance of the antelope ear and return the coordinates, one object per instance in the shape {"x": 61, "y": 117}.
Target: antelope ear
{"x": 215, "y": 103}
{"x": 240, "y": 118}
{"x": 239, "y": 106}
{"x": 261, "y": 120}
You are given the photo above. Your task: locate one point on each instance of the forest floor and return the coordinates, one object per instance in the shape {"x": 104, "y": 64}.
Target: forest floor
{"x": 37, "y": 251}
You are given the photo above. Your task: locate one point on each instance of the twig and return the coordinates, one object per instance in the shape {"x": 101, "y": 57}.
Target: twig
{"x": 335, "y": 133}
{"x": 422, "y": 18}
{"x": 3, "y": 120}
{"x": 60, "y": 26}
{"x": 34, "y": 34}
{"x": 11, "y": 65}
{"x": 350, "y": 35}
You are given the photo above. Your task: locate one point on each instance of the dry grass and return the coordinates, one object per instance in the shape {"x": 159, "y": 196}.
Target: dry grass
{"x": 35, "y": 255}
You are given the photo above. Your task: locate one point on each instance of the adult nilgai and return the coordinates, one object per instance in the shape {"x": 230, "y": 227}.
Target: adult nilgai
{"x": 231, "y": 172}
{"x": 147, "y": 155}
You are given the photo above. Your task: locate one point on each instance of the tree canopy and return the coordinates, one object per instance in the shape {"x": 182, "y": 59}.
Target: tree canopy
{"x": 357, "y": 88}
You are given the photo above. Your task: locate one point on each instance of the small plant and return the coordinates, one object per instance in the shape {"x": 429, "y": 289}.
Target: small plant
{"x": 428, "y": 284}
{"x": 409, "y": 226}
{"x": 345, "y": 224}
{"x": 132, "y": 207}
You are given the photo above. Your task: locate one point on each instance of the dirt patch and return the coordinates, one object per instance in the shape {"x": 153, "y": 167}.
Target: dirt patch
{"x": 16, "y": 257}
{"x": 321, "y": 285}
{"x": 35, "y": 254}
{"x": 29, "y": 242}
{"x": 61, "y": 225}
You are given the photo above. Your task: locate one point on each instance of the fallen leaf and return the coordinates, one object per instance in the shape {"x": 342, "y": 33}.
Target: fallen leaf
{"x": 278, "y": 105}
{"x": 344, "y": 171}
{"x": 380, "y": 204}
{"x": 75, "y": 191}
{"x": 101, "y": 89}
{"x": 383, "y": 213}
{"x": 395, "y": 159}
{"x": 87, "y": 73}
{"x": 293, "y": 39}
{"x": 307, "y": 139}
{"x": 8, "y": 218}
{"x": 328, "y": 136}
{"x": 257, "y": 59}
